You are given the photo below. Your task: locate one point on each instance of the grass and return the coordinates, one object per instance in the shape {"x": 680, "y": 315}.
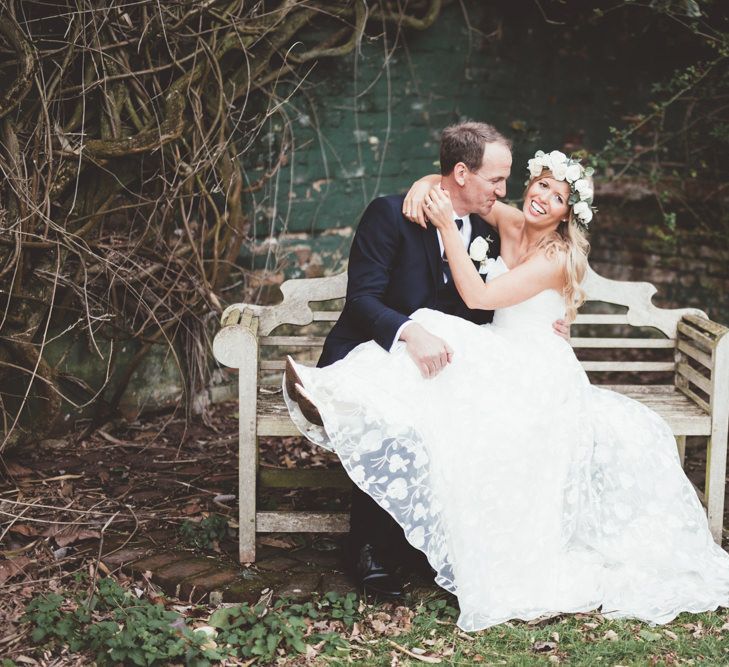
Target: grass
{"x": 574, "y": 639}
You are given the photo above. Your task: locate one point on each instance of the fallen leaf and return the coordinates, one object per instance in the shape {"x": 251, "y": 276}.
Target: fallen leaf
{"x": 673, "y": 635}
{"x": 191, "y": 508}
{"x": 277, "y": 542}
{"x": 10, "y": 568}
{"x": 24, "y": 529}
{"x": 65, "y": 535}
{"x": 378, "y": 626}
{"x": 543, "y": 647}
{"x": 649, "y": 636}
{"x": 16, "y": 470}
{"x": 611, "y": 636}
{"x": 431, "y": 659}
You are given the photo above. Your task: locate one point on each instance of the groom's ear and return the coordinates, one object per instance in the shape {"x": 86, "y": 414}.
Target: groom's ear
{"x": 459, "y": 173}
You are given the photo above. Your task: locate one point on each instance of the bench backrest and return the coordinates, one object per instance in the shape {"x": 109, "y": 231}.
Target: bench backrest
{"x": 617, "y": 335}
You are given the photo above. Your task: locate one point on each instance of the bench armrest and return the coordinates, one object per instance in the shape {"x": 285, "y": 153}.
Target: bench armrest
{"x": 702, "y": 363}
{"x": 238, "y": 337}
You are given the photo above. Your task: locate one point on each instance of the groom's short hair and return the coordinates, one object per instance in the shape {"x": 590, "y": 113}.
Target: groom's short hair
{"x": 465, "y": 142}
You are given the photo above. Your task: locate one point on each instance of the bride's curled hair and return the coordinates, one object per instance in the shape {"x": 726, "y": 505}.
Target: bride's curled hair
{"x": 570, "y": 241}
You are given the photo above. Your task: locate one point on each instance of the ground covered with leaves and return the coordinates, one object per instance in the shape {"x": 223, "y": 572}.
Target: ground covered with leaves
{"x": 67, "y": 502}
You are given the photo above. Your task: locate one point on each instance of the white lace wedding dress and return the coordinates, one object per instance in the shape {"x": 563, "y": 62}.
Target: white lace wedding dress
{"x": 529, "y": 490}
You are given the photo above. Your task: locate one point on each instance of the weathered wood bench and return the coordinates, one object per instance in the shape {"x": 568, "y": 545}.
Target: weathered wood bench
{"x": 676, "y": 362}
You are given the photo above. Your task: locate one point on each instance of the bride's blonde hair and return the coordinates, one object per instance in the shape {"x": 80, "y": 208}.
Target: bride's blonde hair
{"x": 570, "y": 241}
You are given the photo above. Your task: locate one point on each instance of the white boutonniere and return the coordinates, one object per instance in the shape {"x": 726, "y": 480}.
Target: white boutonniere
{"x": 479, "y": 250}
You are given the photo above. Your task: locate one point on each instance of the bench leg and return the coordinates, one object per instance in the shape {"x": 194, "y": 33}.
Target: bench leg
{"x": 247, "y": 456}
{"x": 247, "y": 500}
{"x": 681, "y": 444}
{"x": 715, "y": 486}
{"x": 716, "y": 454}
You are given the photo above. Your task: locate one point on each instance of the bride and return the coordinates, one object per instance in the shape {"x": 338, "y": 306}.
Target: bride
{"x": 530, "y": 491}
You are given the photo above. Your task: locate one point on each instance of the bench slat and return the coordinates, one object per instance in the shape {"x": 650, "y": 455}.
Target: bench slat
{"x": 693, "y": 352}
{"x": 697, "y": 399}
{"x": 694, "y": 376}
{"x": 702, "y": 340}
{"x": 622, "y": 342}
{"x": 298, "y": 341}
{"x": 301, "y": 478}
{"x": 628, "y": 365}
{"x": 326, "y": 315}
{"x": 714, "y": 328}
{"x": 302, "y": 522}
{"x": 596, "y": 318}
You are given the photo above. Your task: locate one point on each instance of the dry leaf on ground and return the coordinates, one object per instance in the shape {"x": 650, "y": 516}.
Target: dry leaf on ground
{"x": 10, "y": 568}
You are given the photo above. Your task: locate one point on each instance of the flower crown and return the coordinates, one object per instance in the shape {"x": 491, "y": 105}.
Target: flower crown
{"x": 570, "y": 170}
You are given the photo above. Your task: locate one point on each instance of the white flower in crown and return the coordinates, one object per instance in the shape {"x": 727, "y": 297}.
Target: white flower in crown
{"x": 573, "y": 173}
{"x": 584, "y": 188}
{"x": 535, "y": 166}
{"x": 559, "y": 170}
{"x": 583, "y": 212}
{"x": 558, "y": 157}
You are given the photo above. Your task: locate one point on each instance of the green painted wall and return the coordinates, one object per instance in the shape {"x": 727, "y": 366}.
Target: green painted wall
{"x": 368, "y": 124}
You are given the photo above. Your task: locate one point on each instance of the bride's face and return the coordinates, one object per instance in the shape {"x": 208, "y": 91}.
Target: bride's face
{"x": 545, "y": 202}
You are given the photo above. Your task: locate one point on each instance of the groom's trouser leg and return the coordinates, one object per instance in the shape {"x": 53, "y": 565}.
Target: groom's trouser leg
{"x": 370, "y": 524}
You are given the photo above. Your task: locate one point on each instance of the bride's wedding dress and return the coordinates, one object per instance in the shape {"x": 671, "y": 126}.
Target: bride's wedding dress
{"x": 529, "y": 490}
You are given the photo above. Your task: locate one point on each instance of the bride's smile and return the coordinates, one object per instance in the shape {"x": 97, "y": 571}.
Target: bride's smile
{"x": 545, "y": 202}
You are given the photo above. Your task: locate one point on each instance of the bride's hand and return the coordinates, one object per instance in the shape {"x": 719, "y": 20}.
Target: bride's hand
{"x": 439, "y": 208}
{"x": 413, "y": 208}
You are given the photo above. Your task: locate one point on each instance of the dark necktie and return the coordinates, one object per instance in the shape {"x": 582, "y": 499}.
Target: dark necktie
{"x": 444, "y": 259}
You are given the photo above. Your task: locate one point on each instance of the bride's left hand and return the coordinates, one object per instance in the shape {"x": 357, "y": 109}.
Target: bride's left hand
{"x": 413, "y": 207}
{"x": 439, "y": 208}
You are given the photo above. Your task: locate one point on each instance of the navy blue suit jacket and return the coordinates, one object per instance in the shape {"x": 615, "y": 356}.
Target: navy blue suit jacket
{"x": 394, "y": 269}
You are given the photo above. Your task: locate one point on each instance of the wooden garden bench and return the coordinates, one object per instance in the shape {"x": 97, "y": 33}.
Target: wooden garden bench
{"x": 675, "y": 361}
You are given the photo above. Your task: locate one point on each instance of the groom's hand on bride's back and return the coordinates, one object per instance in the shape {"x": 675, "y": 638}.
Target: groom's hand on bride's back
{"x": 562, "y": 328}
{"x": 430, "y": 353}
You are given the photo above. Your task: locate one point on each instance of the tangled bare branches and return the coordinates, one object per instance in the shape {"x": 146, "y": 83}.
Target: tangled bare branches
{"x": 123, "y": 200}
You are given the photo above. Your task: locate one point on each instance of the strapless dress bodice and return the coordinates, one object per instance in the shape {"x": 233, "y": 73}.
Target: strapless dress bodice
{"x": 534, "y": 314}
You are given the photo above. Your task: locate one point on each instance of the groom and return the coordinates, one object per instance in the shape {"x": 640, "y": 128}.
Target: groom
{"x": 395, "y": 268}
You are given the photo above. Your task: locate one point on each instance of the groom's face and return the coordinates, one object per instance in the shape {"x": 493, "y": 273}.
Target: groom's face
{"x": 484, "y": 186}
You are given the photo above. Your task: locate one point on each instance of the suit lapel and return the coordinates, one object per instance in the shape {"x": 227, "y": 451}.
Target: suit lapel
{"x": 432, "y": 251}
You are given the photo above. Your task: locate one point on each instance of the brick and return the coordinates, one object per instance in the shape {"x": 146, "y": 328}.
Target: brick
{"x": 336, "y": 582}
{"x": 299, "y": 586}
{"x": 276, "y": 564}
{"x": 157, "y": 561}
{"x": 249, "y": 589}
{"x": 125, "y": 555}
{"x": 171, "y": 576}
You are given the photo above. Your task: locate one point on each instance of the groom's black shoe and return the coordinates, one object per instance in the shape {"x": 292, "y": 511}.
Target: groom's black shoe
{"x": 374, "y": 577}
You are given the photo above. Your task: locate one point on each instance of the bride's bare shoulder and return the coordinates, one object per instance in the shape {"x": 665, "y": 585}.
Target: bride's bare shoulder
{"x": 505, "y": 218}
